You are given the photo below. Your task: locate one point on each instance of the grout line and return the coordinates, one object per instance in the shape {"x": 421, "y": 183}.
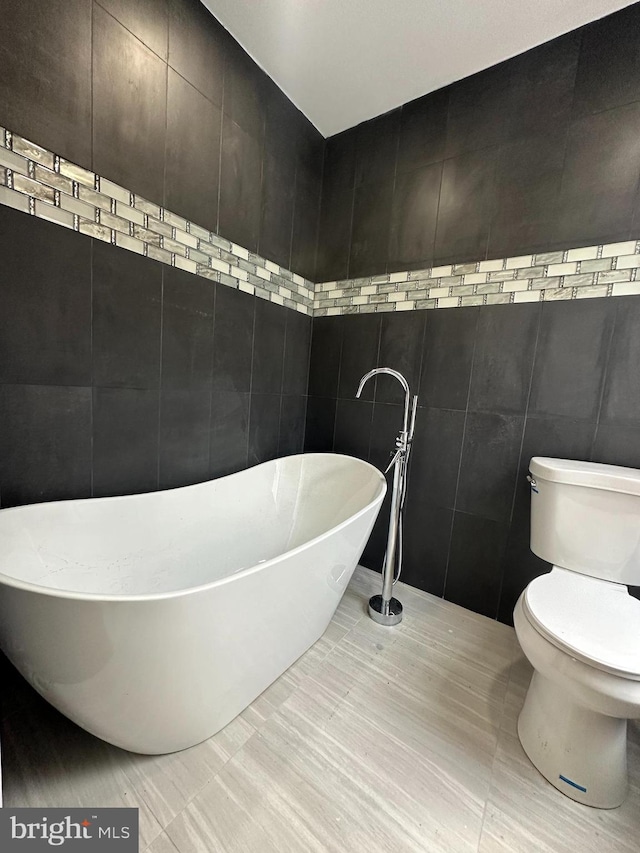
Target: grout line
{"x": 524, "y": 429}
{"x": 253, "y": 340}
{"x": 136, "y": 37}
{"x": 293, "y": 212}
{"x": 605, "y": 376}
{"x": 92, "y": 423}
{"x": 211, "y": 332}
{"x": 464, "y": 432}
{"x": 337, "y": 396}
{"x": 160, "y": 376}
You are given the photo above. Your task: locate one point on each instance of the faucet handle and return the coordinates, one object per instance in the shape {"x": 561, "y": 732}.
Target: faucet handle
{"x": 396, "y": 456}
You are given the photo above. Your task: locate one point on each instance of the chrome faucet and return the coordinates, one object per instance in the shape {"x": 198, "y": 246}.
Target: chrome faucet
{"x": 385, "y": 609}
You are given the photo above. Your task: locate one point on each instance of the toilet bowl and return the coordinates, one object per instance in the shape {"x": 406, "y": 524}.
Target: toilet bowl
{"x": 580, "y": 628}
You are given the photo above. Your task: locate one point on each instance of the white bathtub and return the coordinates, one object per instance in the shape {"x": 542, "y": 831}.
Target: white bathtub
{"x": 153, "y": 620}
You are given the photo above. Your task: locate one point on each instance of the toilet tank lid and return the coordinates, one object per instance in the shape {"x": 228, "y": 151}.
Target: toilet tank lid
{"x": 595, "y": 475}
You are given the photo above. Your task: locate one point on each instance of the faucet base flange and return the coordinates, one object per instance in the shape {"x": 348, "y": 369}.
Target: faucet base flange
{"x": 393, "y": 613}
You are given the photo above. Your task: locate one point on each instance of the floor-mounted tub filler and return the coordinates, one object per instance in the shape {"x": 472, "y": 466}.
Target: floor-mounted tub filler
{"x": 153, "y": 620}
{"x": 385, "y": 609}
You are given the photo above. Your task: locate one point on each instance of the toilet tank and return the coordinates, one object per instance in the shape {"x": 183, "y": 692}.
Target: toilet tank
{"x": 585, "y": 516}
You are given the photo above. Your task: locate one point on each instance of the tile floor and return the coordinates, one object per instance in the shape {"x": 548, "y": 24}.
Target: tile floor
{"x": 378, "y": 739}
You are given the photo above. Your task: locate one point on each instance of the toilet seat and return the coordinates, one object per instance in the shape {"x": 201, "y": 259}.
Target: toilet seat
{"x": 593, "y": 620}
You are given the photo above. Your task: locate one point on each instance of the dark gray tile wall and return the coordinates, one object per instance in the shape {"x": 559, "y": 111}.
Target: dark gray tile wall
{"x": 537, "y": 153}
{"x": 498, "y": 385}
{"x": 119, "y": 374}
{"x": 159, "y": 98}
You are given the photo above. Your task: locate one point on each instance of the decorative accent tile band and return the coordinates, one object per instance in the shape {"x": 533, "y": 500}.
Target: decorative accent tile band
{"x": 38, "y": 182}
{"x": 594, "y": 271}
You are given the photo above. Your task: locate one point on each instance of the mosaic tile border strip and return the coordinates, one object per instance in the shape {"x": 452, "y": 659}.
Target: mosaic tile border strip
{"x": 41, "y": 183}
{"x": 595, "y": 271}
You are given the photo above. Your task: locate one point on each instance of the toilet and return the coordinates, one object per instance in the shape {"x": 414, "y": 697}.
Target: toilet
{"x": 580, "y": 628}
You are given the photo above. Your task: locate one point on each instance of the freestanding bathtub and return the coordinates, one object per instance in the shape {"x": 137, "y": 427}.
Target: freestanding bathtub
{"x": 153, "y": 620}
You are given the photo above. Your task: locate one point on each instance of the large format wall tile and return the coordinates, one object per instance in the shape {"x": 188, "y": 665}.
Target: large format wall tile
{"x": 264, "y": 427}
{"x": 413, "y": 216}
{"x": 45, "y": 85}
{"x": 268, "y": 349}
{"x": 571, "y": 358}
{"x": 244, "y": 91}
{"x": 306, "y": 220}
{"x": 126, "y": 320}
{"x": 129, "y": 108}
{"x": 148, "y": 20}
{"x": 229, "y": 432}
{"x": 497, "y": 385}
{"x": 278, "y": 199}
{"x": 233, "y": 340}
{"x": 478, "y": 111}
{"x": 436, "y": 456}
{"x": 503, "y": 358}
{"x": 448, "y": 357}
{"x": 608, "y": 72}
{"x": 352, "y": 432}
{"x": 370, "y": 228}
{"x": 326, "y": 353}
{"x": 187, "y": 330}
{"x": 474, "y": 572}
{"x": 527, "y": 193}
{"x": 199, "y": 382}
{"x": 489, "y": 459}
{"x": 45, "y": 334}
{"x": 45, "y": 443}
{"x": 360, "y": 344}
{"x": 376, "y": 145}
{"x": 240, "y": 185}
{"x": 466, "y": 203}
{"x": 542, "y": 83}
{"x": 601, "y": 167}
{"x": 192, "y": 175}
{"x": 621, "y": 401}
{"x": 185, "y": 418}
{"x": 423, "y": 131}
{"x": 98, "y": 82}
{"x": 536, "y": 153}
{"x": 125, "y": 441}
{"x": 401, "y": 346}
{"x": 197, "y": 47}
{"x": 296, "y": 354}
{"x": 334, "y": 240}
{"x": 293, "y": 411}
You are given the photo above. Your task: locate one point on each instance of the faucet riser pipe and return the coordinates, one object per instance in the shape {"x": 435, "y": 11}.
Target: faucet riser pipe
{"x": 392, "y": 536}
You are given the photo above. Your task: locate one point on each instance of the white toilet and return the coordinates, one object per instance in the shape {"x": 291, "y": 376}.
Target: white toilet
{"x": 580, "y": 628}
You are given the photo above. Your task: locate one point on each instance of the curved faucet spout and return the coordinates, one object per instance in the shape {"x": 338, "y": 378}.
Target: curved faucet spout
{"x": 388, "y": 370}
{"x": 401, "y": 380}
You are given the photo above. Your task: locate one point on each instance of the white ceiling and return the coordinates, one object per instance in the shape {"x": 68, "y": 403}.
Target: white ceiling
{"x": 344, "y": 61}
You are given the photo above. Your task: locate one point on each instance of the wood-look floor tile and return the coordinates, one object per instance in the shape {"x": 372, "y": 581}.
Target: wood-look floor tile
{"x": 162, "y": 844}
{"x": 329, "y": 788}
{"x": 377, "y": 739}
{"x": 167, "y": 783}
{"x": 265, "y": 705}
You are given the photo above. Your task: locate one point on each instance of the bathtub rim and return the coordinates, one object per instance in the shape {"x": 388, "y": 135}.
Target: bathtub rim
{"x": 29, "y": 586}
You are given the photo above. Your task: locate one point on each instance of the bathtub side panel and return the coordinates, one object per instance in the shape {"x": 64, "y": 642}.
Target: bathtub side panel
{"x": 161, "y": 675}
